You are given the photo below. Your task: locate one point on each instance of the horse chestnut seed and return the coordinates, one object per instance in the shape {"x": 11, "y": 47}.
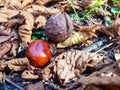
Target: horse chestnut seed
{"x": 38, "y": 53}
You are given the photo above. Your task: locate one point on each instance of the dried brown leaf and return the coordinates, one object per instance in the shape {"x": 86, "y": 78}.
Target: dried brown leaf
{"x": 15, "y": 4}
{"x": 64, "y": 5}
{"x": 15, "y": 21}
{"x": 8, "y": 13}
{"x": 4, "y": 38}
{"x": 3, "y": 19}
{"x": 16, "y": 64}
{"x": 71, "y": 64}
{"x": 45, "y": 10}
{"x": 43, "y": 2}
{"x": 91, "y": 3}
{"x": 115, "y": 26}
{"x": 4, "y": 48}
{"x": 29, "y": 75}
{"x": 77, "y": 38}
{"x": 26, "y": 2}
{"x": 40, "y": 21}
{"x": 113, "y": 30}
{"x": 100, "y": 81}
{"x": 84, "y": 35}
{"x": 25, "y": 30}
{"x": 3, "y": 3}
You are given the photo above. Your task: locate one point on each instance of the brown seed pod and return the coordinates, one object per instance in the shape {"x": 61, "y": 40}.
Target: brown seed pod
{"x": 59, "y": 27}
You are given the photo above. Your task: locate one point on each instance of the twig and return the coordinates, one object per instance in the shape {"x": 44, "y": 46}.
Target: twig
{"x": 14, "y": 84}
{"x": 94, "y": 46}
{"x": 103, "y": 47}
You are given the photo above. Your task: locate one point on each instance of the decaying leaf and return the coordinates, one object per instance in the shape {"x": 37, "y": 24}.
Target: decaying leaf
{"x": 113, "y": 30}
{"x": 15, "y": 4}
{"x": 45, "y": 10}
{"x": 43, "y": 2}
{"x": 8, "y": 13}
{"x": 100, "y": 83}
{"x": 4, "y": 2}
{"x": 40, "y": 21}
{"x": 71, "y": 64}
{"x": 15, "y": 64}
{"x": 4, "y": 48}
{"x": 4, "y": 38}
{"x": 3, "y": 19}
{"x": 25, "y": 30}
{"x": 26, "y": 2}
{"x": 84, "y": 35}
{"x": 77, "y": 38}
{"x": 30, "y": 75}
{"x": 64, "y": 5}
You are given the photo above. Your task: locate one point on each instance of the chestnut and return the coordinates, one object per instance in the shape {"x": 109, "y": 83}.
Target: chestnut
{"x": 38, "y": 53}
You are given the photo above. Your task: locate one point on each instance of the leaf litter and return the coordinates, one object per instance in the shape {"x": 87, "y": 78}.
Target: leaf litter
{"x": 94, "y": 67}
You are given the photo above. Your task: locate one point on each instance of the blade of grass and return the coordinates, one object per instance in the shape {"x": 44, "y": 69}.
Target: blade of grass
{"x": 73, "y": 7}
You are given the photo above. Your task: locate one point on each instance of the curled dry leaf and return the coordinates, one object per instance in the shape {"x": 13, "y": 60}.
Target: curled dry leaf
{"x": 8, "y": 13}
{"x": 113, "y": 30}
{"x": 64, "y": 5}
{"x": 115, "y": 26}
{"x": 77, "y": 38}
{"x": 15, "y": 21}
{"x": 84, "y": 35}
{"x": 43, "y": 2}
{"x": 29, "y": 75}
{"x": 3, "y": 19}
{"x": 14, "y": 49}
{"x": 26, "y": 2}
{"x": 71, "y": 64}
{"x": 15, "y": 64}
{"x": 104, "y": 82}
{"x": 4, "y": 38}
{"x": 4, "y": 2}
{"x": 91, "y": 3}
{"x": 15, "y": 4}
{"x": 25, "y": 30}
{"x": 4, "y": 48}
{"x": 45, "y": 10}
{"x": 40, "y": 21}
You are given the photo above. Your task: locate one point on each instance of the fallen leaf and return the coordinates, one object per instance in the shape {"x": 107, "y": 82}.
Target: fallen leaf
{"x": 25, "y": 30}
{"x": 76, "y": 38}
{"x": 27, "y": 2}
{"x": 40, "y": 21}
{"x": 29, "y": 75}
{"x": 4, "y": 48}
{"x": 15, "y": 4}
{"x": 70, "y": 65}
{"x": 43, "y": 2}
{"x": 16, "y": 64}
{"x": 45, "y": 10}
